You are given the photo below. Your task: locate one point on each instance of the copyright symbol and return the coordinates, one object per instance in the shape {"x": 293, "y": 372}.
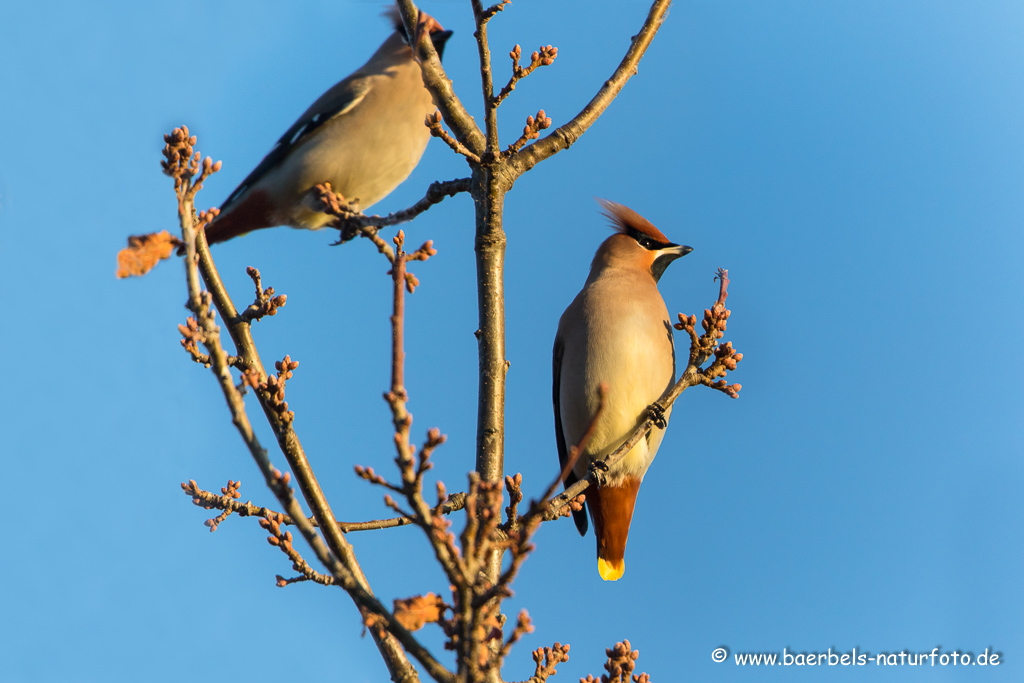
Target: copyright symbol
{"x": 719, "y": 654}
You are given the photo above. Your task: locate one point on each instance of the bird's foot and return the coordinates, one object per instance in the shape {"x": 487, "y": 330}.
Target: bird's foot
{"x": 657, "y": 415}
{"x": 599, "y": 470}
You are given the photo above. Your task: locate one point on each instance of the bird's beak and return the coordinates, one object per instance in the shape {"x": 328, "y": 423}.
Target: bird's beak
{"x": 666, "y": 256}
{"x": 439, "y": 39}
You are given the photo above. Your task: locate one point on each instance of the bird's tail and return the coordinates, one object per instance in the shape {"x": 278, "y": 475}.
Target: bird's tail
{"x": 611, "y": 509}
{"x": 252, "y": 213}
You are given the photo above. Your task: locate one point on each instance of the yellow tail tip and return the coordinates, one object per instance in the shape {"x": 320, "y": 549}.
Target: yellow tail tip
{"x": 610, "y": 571}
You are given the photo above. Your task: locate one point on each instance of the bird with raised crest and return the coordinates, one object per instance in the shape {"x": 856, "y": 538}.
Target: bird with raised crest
{"x": 616, "y": 332}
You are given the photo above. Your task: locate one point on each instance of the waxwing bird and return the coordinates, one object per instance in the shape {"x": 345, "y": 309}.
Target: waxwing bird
{"x": 364, "y": 136}
{"x": 617, "y": 332}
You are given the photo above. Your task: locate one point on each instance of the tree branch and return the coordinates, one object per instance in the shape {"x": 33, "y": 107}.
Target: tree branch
{"x": 564, "y": 136}
{"x": 433, "y": 122}
{"x": 344, "y": 569}
{"x": 337, "y": 555}
{"x": 351, "y": 223}
{"x": 439, "y": 85}
{"x": 397, "y": 398}
{"x": 473, "y": 563}
{"x": 530, "y": 132}
{"x": 620, "y": 666}
{"x": 229, "y": 504}
{"x": 486, "y": 79}
{"x": 545, "y": 56}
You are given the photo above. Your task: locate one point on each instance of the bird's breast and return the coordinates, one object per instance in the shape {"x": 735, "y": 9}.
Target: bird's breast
{"x": 618, "y": 334}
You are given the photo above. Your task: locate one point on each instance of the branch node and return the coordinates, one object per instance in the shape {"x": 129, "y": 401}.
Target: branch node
{"x": 266, "y": 303}
{"x": 544, "y": 56}
{"x": 530, "y": 132}
{"x": 433, "y": 122}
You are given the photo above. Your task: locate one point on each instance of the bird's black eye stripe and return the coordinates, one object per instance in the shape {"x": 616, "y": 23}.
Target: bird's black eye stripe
{"x": 646, "y": 242}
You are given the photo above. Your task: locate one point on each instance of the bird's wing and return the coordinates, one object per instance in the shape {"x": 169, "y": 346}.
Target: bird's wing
{"x": 651, "y": 444}
{"x": 338, "y": 101}
{"x": 578, "y": 516}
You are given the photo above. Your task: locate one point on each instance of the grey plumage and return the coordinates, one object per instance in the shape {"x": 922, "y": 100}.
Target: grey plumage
{"x": 364, "y": 136}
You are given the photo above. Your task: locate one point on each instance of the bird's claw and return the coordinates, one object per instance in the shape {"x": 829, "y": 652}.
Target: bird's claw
{"x": 598, "y": 469}
{"x": 657, "y": 415}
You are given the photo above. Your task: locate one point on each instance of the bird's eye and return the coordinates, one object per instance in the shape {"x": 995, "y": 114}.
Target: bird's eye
{"x": 646, "y": 242}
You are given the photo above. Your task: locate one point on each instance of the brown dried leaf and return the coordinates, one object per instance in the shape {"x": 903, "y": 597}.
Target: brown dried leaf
{"x": 144, "y": 252}
{"x": 490, "y": 628}
{"x": 375, "y": 623}
{"x": 412, "y": 613}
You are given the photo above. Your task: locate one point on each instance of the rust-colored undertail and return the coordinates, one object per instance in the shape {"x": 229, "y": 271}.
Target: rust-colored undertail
{"x": 611, "y": 509}
{"x": 253, "y": 213}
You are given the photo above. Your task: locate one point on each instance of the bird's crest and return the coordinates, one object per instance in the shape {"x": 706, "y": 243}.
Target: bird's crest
{"x": 625, "y": 219}
{"x": 395, "y": 17}
{"x": 427, "y": 22}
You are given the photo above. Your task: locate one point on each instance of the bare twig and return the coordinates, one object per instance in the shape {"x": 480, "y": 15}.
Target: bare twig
{"x": 472, "y": 627}
{"x": 283, "y": 540}
{"x": 547, "y": 658}
{"x": 352, "y": 223}
{"x": 337, "y": 555}
{"x": 565, "y": 135}
{"x": 397, "y": 398}
{"x": 482, "y": 16}
{"x": 229, "y": 492}
{"x": 192, "y": 336}
{"x": 516, "y": 533}
{"x": 530, "y": 132}
{"x": 621, "y": 663}
{"x": 433, "y": 122}
{"x": 486, "y": 14}
{"x": 231, "y": 505}
{"x": 266, "y": 303}
{"x": 523, "y": 626}
{"x": 545, "y": 56}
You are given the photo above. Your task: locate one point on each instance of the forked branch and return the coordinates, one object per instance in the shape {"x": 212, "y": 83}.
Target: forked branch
{"x": 336, "y": 554}
{"x": 545, "y": 56}
{"x": 437, "y": 82}
{"x": 567, "y": 134}
{"x": 351, "y": 222}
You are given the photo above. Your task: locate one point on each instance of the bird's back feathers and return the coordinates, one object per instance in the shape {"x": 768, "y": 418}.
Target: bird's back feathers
{"x": 364, "y": 135}
{"x": 337, "y": 101}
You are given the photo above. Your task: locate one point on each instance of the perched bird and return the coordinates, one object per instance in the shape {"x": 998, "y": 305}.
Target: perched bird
{"x": 615, "y": 332}
{"x": 364, "y": 136}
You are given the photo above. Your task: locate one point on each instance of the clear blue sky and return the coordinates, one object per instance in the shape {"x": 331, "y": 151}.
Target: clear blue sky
{"x": 858, "y": 167}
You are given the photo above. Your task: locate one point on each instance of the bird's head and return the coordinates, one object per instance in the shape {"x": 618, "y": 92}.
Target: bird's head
{"x": 636, "y": 243}
{"x": 427, "y": 23}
